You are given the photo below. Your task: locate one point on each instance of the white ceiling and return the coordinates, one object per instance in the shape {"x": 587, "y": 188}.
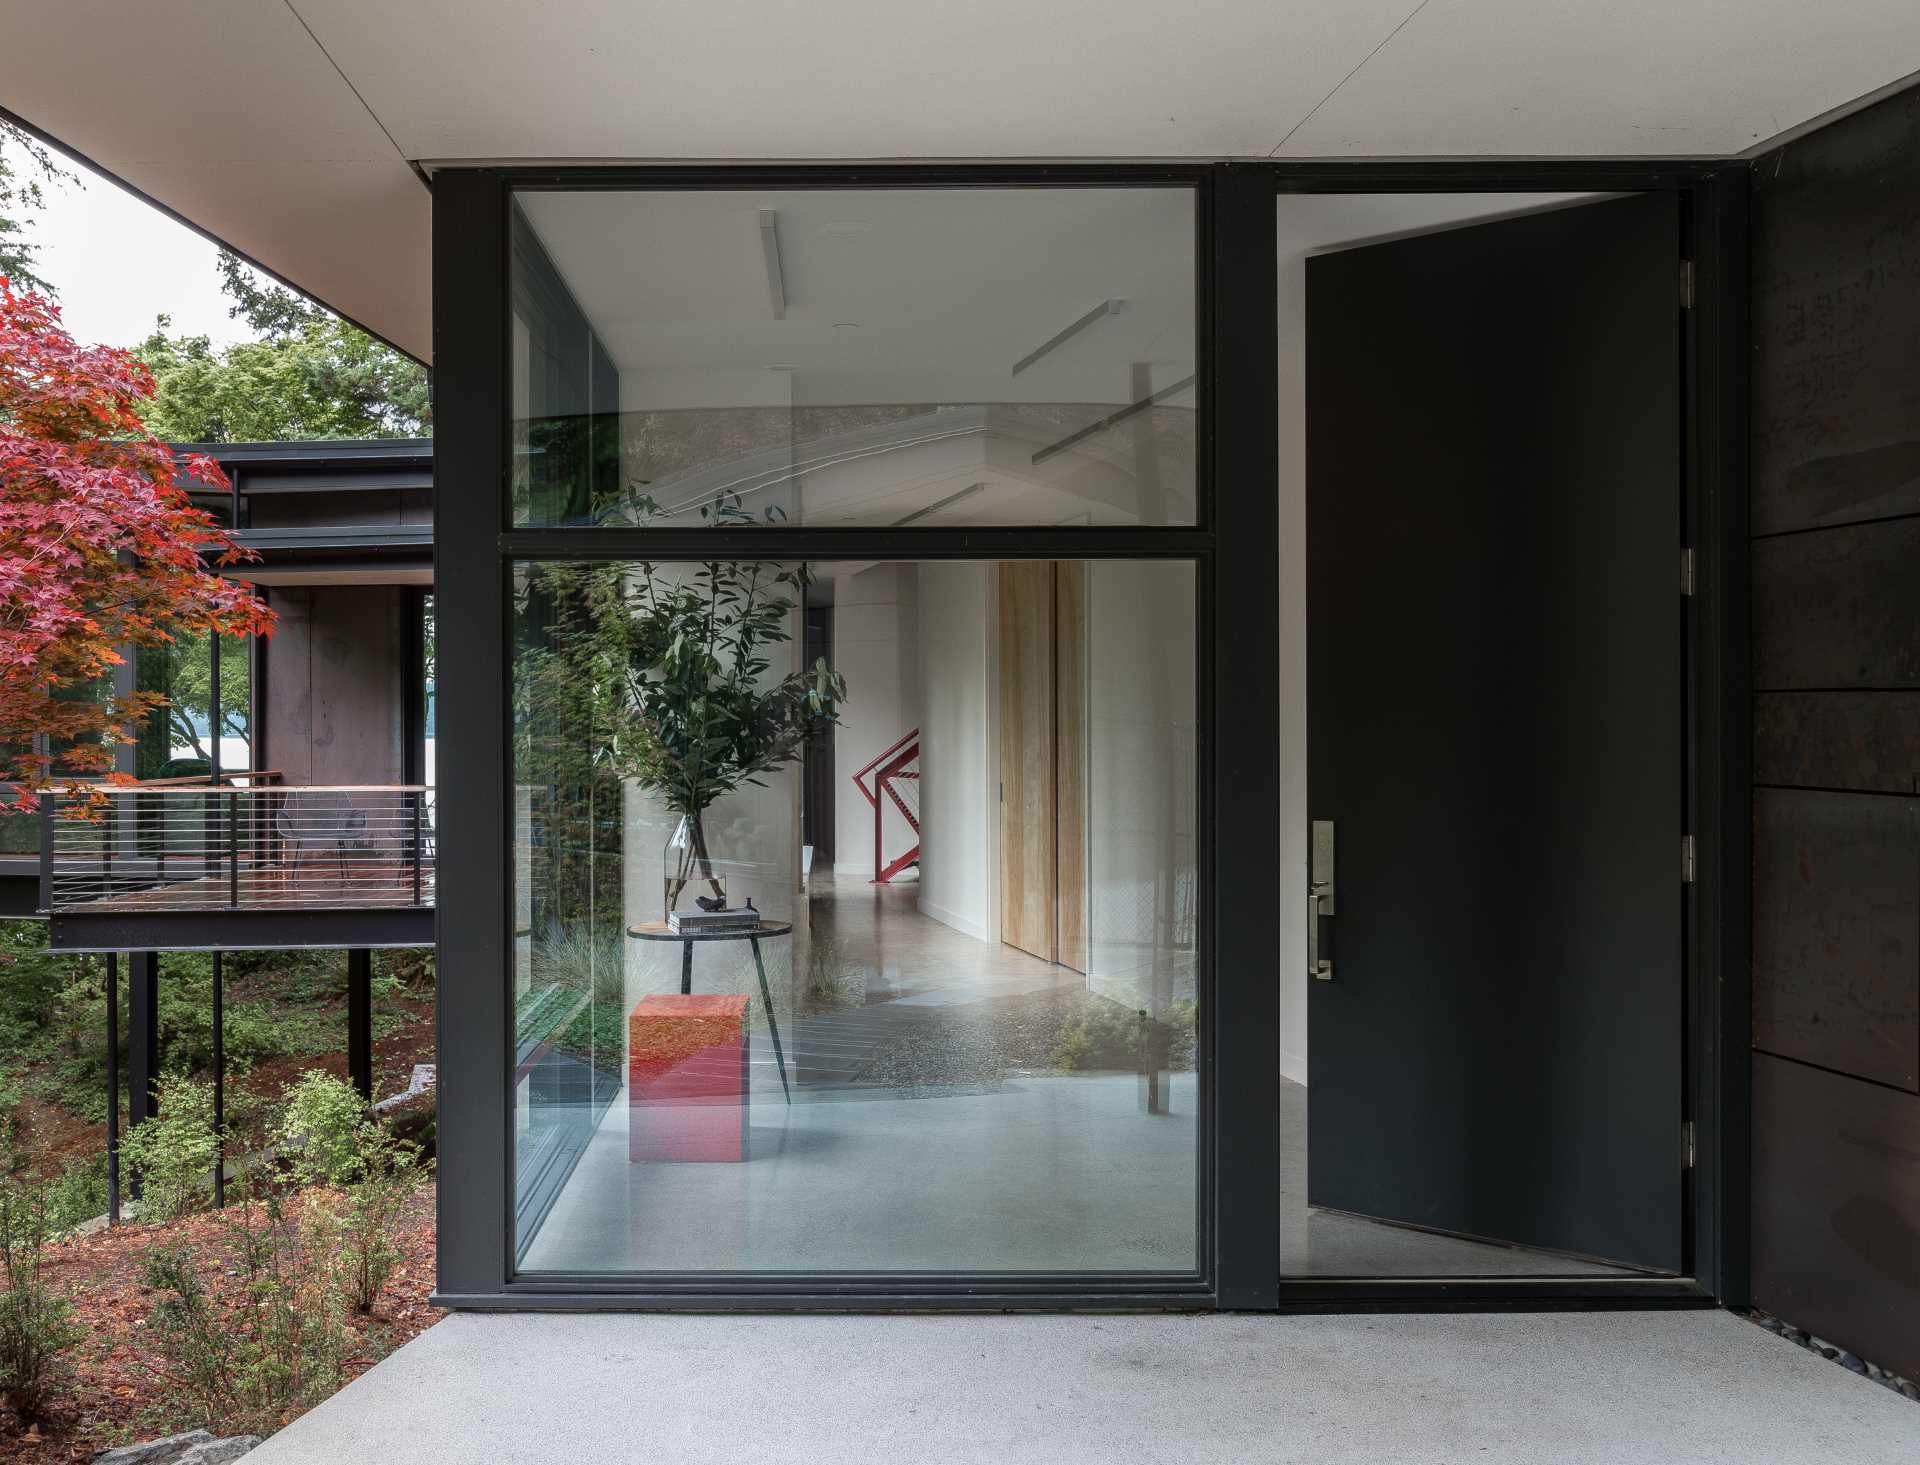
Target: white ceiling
{"x": 903, "y": 295}
{"x": 288, "y": 127}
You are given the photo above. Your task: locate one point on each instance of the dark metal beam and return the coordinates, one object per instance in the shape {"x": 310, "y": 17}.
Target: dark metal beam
{"x": 1241, "y": 790}
{"x": 360, "y": 1021}
{"x": 223, "y": 930}
{"x": 143, "y": 1036}
{"x": 470, "y": 291}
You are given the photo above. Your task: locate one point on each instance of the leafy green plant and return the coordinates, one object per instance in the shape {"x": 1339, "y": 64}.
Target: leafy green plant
{"x": 389, "y": 1172}
{"x": 1108, "y": 1035}
{"x": 246, "y": 1352}
{"x": 827, "y": 983}
{"x": 320, "y": 1129}
{"x": 173, "y": 1155}
{"x": 329, "y": 1139}
{"x": 36, "y": 1327}
{"x": 77, "y": 1193}
{"x": 669, "y": 667}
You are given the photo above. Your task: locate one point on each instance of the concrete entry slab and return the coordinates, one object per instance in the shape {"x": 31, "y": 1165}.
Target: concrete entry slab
{"x": 1667, "y": 1387}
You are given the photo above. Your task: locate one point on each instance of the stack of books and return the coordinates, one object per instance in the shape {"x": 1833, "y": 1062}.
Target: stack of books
{"x": 739, "y": 919}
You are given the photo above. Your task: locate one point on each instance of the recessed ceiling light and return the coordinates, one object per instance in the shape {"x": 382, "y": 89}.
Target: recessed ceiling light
{"x": 846, "y": 325}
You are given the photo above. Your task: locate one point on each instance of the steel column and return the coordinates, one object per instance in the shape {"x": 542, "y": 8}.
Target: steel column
{"x": 113, "y": 1088}
{"x": 360, "y": 1021}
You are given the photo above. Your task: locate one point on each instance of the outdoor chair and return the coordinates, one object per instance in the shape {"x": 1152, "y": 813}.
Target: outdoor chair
{"x": 312, "y": 824}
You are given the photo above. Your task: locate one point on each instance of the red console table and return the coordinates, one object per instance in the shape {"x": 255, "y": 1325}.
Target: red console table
{"x": 687, "y": 1078}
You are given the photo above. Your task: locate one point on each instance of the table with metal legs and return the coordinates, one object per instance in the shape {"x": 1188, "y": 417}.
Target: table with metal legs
{"x": 661, "y": 931}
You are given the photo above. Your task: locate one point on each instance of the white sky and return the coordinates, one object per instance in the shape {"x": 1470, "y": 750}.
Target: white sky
{"x": 119, "y": 262}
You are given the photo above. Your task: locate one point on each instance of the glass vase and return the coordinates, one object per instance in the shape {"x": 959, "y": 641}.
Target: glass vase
{"x": 688, "y": 870}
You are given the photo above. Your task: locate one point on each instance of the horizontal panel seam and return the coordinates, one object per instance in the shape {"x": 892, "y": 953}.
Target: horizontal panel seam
{"x": 1878, "y": 1083}
{"x": 1764, "y": 535}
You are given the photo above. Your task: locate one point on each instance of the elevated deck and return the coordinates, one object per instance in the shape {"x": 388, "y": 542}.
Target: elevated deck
{"x": 206, "y": 867}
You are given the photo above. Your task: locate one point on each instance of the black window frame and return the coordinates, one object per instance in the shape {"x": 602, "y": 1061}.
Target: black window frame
{"x": 1237, "y": 624}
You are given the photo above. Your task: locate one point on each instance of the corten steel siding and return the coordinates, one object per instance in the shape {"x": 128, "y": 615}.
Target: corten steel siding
{"x": 336, "y": 684}
{"x": 1836, "y": 620}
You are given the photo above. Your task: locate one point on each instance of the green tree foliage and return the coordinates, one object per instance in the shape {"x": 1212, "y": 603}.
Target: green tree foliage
{"x": 26, "y": 168}
{"x": 174, "y": 1155}
{"x": 182, "y": 672}
{"x": 36, "y": 1325}
{"x": 309, "y": 375}
{"x": 670, "y": 668}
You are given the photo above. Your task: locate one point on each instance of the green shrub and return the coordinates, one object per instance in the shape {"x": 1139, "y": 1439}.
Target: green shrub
{"x": 389, "y": 1171}
{"x": 242, "y": 1355}
{"x": 1106, "y": 1035}
{"x": 320, "y": 1129}
{"x": 173, "y": 1156}
{"x": 36, "y": 1327}
{"x": 78, "y": 1193}
{"x": 329, "y": 1139}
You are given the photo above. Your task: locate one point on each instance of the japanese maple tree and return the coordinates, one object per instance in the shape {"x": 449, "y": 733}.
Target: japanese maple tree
{"x": 99, "y": 550}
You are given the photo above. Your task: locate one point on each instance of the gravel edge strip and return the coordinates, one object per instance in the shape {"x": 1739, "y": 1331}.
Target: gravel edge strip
{"x": 1852, "y": 1362}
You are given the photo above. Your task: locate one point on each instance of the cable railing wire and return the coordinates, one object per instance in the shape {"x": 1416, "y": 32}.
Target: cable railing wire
{"x": 205, "y": 847}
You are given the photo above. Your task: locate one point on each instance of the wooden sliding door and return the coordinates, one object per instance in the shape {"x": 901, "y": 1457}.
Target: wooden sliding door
{"x": 1043, "y": 732}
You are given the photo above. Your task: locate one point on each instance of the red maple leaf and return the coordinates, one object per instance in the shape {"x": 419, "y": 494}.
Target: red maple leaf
{"x": 100, "y": 550}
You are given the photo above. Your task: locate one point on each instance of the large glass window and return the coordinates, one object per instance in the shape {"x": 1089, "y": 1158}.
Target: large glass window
{"x": 929, "y": 357}
{"x": 855, "y": 916}
{"x": 179, "y": 740}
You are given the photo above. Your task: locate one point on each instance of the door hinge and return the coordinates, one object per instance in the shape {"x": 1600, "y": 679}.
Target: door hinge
{"x": 1686, "y": 859}
{"x": 1687, "y": 1150}
{"x": 1686, "y": 572}
{"x": 1686, "y": 284}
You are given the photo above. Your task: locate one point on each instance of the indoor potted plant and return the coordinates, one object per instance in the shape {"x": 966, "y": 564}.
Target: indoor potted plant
{"x": 674, "y": 663}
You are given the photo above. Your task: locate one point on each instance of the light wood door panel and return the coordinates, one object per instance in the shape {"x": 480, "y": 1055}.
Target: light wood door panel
{"x": 1026, "y": 676}
{"x": 1070, "y": 761}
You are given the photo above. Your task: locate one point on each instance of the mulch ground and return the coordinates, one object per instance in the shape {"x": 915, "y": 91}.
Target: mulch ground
{"x": 108, "y": 1394}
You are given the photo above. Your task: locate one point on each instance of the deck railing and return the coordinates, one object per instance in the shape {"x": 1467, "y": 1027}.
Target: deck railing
{"x": 202, "y": 847}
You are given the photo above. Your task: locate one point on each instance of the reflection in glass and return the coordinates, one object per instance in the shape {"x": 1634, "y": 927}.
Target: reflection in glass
{"x": 916, "y": 357}
{"x": 982, "y": 1059}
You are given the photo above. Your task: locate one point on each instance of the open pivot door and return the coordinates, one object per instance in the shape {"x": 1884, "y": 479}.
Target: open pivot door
{"x": 1495, "y": 713}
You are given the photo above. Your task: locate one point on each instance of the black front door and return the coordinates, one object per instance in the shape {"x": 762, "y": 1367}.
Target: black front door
{"x": 1495, "y": 720}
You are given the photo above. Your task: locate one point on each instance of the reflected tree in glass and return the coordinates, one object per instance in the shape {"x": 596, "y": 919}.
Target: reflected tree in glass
{"x": 682, "y": 695}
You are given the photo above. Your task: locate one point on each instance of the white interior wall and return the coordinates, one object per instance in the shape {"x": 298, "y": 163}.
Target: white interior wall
{"x": 876, "y": 648}
{"x": 1141, "y": 811}
{"x": 957, "y": 751}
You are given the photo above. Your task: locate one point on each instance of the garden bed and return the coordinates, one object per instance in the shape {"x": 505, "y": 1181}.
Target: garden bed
{"x": 109, "y": 1394}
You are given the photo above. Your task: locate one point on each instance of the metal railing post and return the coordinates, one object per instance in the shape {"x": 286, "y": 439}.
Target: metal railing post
{"x": 113, "y": 1088}
{"x": 46, "y": 850}
{"x": 419, "y": 802}
{"x": 233, "y": 850}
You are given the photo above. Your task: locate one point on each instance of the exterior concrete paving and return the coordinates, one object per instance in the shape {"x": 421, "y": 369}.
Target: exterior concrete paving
{"x": 1666, "y": 1388}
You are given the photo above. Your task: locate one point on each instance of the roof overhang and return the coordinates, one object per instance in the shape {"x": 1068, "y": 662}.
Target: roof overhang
{"x": 300, "y": 133}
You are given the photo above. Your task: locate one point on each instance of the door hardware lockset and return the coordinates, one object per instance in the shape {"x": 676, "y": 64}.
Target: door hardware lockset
{"x": 1320, "y": 902}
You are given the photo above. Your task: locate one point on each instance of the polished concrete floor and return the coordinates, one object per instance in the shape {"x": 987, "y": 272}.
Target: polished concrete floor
{"x": 912, "y": 1142}
{"x": 1665, "y": 1388}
